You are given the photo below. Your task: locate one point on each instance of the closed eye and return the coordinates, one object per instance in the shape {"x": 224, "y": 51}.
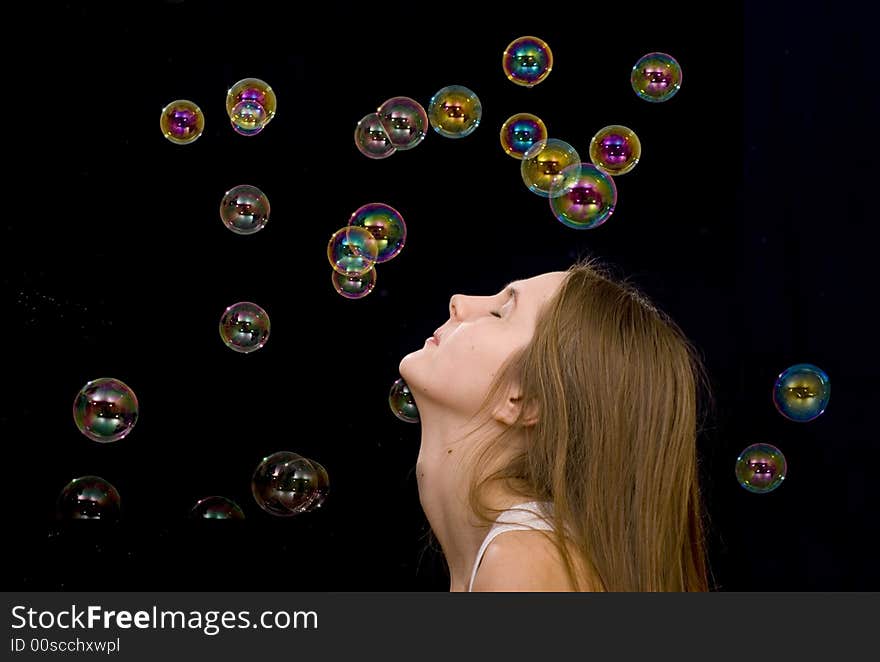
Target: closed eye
{"x": 496, "y": 313}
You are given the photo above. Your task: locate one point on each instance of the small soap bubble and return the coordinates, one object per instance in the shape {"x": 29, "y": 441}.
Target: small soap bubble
{"x": 105, "y": 410}
{"x": 258, "y": 96}
{"x": 352, "y": 251}
{"x": 455, "y": 111}
{"x": 354, "y": 287}
{"x": 88, "y": 497}
{"x": 585, "y": 197}
{"x": 216, "y": 507}
{"x": 527, "y": 61}
{"x": 322, "y": 486}
{"x": 284, "y": 484}
{"x": 519, "y": 132}
{"x": 656, "y": 77}
{"x": 386, "y": 225}
{"x": 182, "y": 122}
{"x": 801, "y": 392}
{"x": 761, "y": 468}
{"x": 543, "y": 163}
{"x": 402, "y": 403}
{"x": 404, "y": 120}
{"x": 371, "y": 139}
{"x": 244, "y": 209}
{"x": 615, "y": 150}
{"x": 248, "y": 118}
{"x": 244, "y": 327}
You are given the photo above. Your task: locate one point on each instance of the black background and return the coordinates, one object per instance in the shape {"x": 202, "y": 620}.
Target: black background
{"x": 747, "y": 220}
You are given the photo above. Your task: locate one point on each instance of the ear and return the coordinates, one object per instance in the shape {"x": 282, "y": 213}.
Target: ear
{"x": 508, "y": 410}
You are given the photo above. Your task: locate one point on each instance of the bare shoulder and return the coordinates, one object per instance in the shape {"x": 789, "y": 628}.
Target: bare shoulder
{"x": 522, "y": 561}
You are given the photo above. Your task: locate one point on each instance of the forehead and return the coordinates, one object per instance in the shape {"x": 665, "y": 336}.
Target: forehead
{"x": 539, "y": 287}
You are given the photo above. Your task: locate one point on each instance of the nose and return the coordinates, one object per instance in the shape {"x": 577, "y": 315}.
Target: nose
{"x": 462, "y": 307}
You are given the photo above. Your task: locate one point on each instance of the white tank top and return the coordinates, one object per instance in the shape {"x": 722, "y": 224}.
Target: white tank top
{"x": 515, "y": 519}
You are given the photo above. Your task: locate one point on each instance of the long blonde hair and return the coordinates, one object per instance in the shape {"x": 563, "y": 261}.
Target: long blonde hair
{"x": 616, "y": 387}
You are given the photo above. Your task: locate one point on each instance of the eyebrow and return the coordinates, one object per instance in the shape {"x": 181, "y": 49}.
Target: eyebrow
{"x": 513, "y": 292}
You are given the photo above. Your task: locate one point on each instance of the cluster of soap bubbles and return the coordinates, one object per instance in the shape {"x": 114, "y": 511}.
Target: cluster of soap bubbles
{"x": 582, "y": 195}
{"x": 399, "y": 124}
{"x": 250, "y": 104}
{"x": 800, "y": 393}
{"x": 105, "y": 410}
{"x": 375, "y": 233}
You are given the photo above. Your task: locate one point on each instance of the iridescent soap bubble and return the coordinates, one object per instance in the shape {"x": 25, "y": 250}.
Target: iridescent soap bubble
{"x": 615, "y": 149}
{"x": 761, "y": 468}
{"x": 244, "y": 327}
{"x": 371, "y": 139}
{"x": 105, "y": 410}
{"x": 519, "y": 132}
{"x": 258, "y": 97}
{"x": 248, "y": 118}
{"x": 386, "y": 225}
{"x": 527, "y": 61}
{"x": 656, "y": 77}
{"x": 88, "y": 497}
{"x": 244, "y": 209}
{"x": 543, "y": 163}
{"x": 801, "y": 392}
{"x": 284, "y": 484}
{"x": 402, "y": 403}
{"x": 352, "y": 251}
{"x": 182, "y": 122}
{"x": 216, "y": 507}
{"x": 404, "y": 120}
{"x": 354, "y": 287}
{"x": 322, "y": 487}
{"x": 455, "y": 111}
{"x": 584, "y": 198}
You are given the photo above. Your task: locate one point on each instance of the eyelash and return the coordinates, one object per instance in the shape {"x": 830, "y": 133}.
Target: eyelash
{"x": 496, "y": 313}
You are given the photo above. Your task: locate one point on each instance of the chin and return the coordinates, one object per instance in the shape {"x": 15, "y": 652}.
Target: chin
{"x": 407, "y": 364}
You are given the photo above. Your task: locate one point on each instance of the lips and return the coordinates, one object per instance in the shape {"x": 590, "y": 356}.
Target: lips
{"x": 436, "y": 336}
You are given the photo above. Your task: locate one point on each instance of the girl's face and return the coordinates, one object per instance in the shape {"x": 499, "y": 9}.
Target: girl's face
{"x": 457, "y": 365}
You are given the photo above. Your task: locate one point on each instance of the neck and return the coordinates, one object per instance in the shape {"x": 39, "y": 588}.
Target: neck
{"x": 443, "y": 471}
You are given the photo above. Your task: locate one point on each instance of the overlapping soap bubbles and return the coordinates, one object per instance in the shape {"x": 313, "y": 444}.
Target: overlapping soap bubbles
{"x": 399, "y": 124}
{"x": 542, "y": 165}
{"x": 105, "y": 410}
{"x": 375, "y": 233}
{"x": 402, "y": 403}
{"x": 251, "y": 105}
{"x": 285, "y": 484}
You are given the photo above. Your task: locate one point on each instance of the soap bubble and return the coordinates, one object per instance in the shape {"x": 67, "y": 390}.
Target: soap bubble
{"x": 88, "y": 497}
{"x": 251, "y": 105}
{"x": 455, "y": 111}
{"x": 584, "y": 198}
{"x": 371, "y": 139}
{"x": 402, "y": 403}
{"x": 527, "y": 61}
{"x": 352, "y": 251}
{"x": 801, "y": 392}
{"x": 542, "y": 165}
{"x": 105, "y": 410}
{"x": 284, "y": 484}
{"x": 761, "y": 468}
{"x": 519, "y": 132}
{"x": 244, "y": 209}
{"x": 182, "y": 122}
{"x": 656, "y": 77}
{"x": 216, "y": 507}
{"x": 615, "y": 149}
{"x": 244, "y": 327}
{"x": 404, "y": 120}
{"x": 354, "y": 287}
{"x": 386, "y": 225}
{"x": 322, "y": 487}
